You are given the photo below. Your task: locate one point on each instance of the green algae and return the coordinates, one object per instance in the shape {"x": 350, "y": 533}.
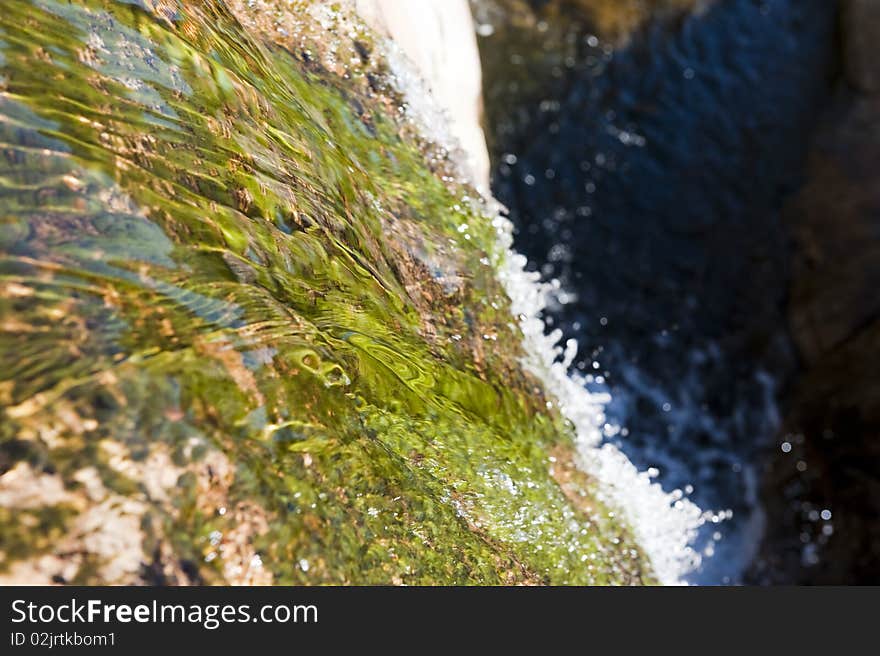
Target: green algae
{"x": 222, "y": 261}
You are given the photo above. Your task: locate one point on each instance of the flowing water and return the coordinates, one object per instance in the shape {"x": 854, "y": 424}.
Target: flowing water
{"x": 253, "y": 329}
{"x": 647, "y": 179}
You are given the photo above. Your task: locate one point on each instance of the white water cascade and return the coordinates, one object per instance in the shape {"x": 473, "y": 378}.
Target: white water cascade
{"x": 438, "y": 73}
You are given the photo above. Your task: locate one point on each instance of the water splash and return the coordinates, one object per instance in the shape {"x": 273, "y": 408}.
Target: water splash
{"x": 646, "y": 176}
{"x": 666, "y": 524}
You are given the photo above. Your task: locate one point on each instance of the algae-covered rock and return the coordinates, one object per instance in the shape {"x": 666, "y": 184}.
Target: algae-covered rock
{"x": 251, "y": 326}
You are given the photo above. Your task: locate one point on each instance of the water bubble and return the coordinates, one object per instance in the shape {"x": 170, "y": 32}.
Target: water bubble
{"x": 485, "y": 29}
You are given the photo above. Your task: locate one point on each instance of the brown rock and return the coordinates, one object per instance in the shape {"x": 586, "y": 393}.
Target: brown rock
{"x": 822, "y": 489}
{"x": 835, "y": 222}
{"x": 861, "y": 29}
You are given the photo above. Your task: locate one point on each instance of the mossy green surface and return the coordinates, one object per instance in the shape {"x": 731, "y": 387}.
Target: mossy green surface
{"x": 213, "y": 247}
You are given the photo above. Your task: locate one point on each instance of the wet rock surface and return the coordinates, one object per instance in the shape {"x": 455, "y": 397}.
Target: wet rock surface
{"x": 860, "y": 24}
{"x": 822, "y": 489}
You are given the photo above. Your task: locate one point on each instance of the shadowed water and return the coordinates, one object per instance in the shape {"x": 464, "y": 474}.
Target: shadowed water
{"x": 647, "y": 178}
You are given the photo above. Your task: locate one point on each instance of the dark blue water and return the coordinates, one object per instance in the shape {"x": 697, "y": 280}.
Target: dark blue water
{"x": 648, "y": 180}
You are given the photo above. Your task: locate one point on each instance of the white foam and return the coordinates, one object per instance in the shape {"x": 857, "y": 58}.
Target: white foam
{"x": 664, "y": 524}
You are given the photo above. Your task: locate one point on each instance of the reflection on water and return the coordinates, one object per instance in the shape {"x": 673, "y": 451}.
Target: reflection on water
{"x": 647, "y": 179}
